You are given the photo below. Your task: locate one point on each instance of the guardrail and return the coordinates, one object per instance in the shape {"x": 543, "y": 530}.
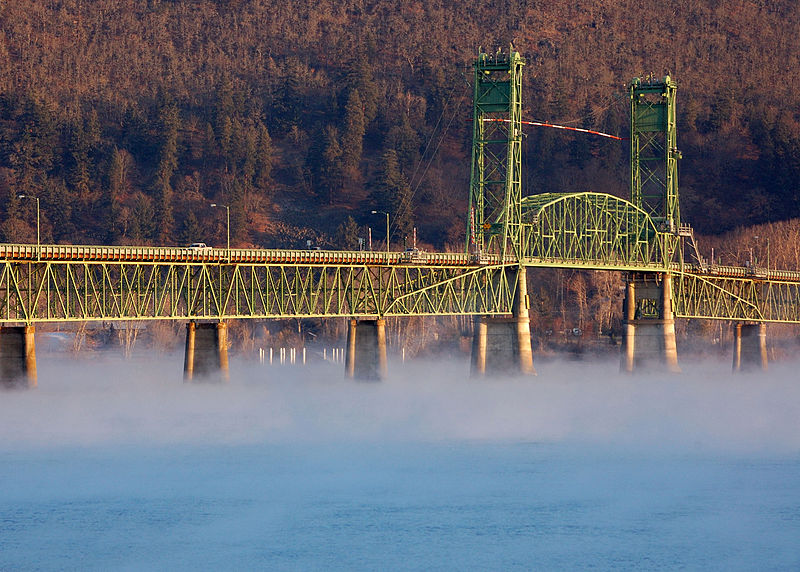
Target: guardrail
{"x": 82, "y": 253}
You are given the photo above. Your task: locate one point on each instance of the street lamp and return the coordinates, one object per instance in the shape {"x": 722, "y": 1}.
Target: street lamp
{"x": 38, "y": 234}
{"x": 228, "y": 215}
{"x": 387, "y": 230}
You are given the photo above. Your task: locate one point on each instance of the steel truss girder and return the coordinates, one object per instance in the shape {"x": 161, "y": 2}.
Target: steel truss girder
{"x": 34, "y": 292}
{"x": 738, "y": 299}
{"x": 592, "y": 230}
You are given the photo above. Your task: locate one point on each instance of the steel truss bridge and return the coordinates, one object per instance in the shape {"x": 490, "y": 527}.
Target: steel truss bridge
{"x": 506, "y": 232}
{"x": 85, "y": 283}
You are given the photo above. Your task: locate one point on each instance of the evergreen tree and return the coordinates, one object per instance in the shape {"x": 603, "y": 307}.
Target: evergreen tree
{"x": 331, "y": 167}
{"x": 392, "y": 194}
{"x": 29, "y": 143}
{"x": 168, "y": 163}
{"x": 353, "y": 133}
{"x": 78, "y": 149}
{"x": 190, "y": 229}
{"x": 290, "y": 99}
{"x": 92, "y": 129}
{"x": 239, "y": 228}
{"x": 264, "y": 161}
{"x": 403, "y": 138}
{"x": 347, "y": 234}
{"x": 721, "y": 109}
{"x": 59, "y": 206}
{"x": 142, "y": 218}
{"x": 437, "y": 91}
{"x": 225, "y": 135}
{"x": 210, "y": 148}
{"x": 361, "y": 77}
{"x": 248, "y": 156}
{"x": 224, "y": 107}
{"x": 785, "y": 163}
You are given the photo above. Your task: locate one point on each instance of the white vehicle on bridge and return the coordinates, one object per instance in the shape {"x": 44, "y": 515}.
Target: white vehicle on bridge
{"x": 414, "y": 255}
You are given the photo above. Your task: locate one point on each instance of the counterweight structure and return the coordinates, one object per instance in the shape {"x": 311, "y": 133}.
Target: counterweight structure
{"x": 654, "y": 151}
{"x": 495, "y": 209}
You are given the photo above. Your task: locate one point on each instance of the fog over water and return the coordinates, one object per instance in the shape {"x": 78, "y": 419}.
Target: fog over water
{"x": 119, "y": 464}
{"x": 107, "y": 400}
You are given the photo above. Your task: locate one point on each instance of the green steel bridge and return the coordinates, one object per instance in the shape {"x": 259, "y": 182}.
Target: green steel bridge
{"x": 507, "y": 232}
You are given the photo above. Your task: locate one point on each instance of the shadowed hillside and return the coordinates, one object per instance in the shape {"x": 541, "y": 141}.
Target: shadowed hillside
{"x": 128, "y": 118}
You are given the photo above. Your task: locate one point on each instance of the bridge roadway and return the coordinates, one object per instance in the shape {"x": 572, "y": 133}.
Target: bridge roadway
{"x": 77, "y": 253}
{"x": 88, "y": 253}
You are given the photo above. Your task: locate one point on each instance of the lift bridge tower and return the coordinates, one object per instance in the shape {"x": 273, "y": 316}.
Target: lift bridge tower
{"x": 495, "y": 209}
{"x": 654, "y": 154}
{"x": 495, "y": 216}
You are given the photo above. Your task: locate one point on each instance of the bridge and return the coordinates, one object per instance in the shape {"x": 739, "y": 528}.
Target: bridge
{"x": 507, "y": 233}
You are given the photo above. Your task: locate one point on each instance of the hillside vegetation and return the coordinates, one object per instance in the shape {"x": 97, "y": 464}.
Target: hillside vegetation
{"x": 127, "y": 118}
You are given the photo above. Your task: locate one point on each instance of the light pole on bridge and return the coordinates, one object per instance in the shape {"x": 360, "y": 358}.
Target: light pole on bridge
{"x": 387, "y": 231}
{"x": 38, "y": 234}
{"x": 228, "y": 218}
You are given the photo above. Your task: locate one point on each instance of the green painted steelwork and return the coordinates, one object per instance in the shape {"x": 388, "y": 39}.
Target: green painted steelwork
{"x": 654, "y": 151}
{"x": 494, "y": 215}
{"x": 591, "y": 230}
{"x": 737, "y": 299}
{"x": 32, "y": 292}
{"x": 35, "y": 292}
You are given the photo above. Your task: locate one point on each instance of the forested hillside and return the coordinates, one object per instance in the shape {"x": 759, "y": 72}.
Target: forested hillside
{"x": 127, "y": 118}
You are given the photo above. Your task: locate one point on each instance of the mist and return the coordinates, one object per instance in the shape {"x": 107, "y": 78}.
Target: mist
{"x": 118, "y": 464}
{"x": 108, "y": 400}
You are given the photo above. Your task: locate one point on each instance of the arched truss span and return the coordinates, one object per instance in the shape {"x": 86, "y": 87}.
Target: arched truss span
{"x": 592, "y": 229}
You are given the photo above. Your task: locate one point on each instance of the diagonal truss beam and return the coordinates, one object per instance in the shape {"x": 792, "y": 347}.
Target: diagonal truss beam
{"x": 34, "y": 292}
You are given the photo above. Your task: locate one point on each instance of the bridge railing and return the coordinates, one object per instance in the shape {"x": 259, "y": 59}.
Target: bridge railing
{"x": 75, "y": 253}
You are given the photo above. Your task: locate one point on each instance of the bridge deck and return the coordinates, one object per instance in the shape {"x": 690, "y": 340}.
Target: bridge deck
{"x": 78, "y": 253}
{"x": 150, "y": 254}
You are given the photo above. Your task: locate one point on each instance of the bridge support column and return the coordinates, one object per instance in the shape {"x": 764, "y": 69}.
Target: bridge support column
{"x": 503, "y": 345}
{"x": 750, "y": 347}
{"x": 206, "y": 356}
{"x": 17, "y": 357}
{"x": 366, "y": 350}
{"x": 649, "y": 330}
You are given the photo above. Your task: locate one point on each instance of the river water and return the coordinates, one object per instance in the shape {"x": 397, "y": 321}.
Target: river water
{"x": 114, "y": 464}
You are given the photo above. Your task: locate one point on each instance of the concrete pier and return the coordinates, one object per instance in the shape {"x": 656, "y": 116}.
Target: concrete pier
{"x": 17, "y": 357}
{"x": 366, "y": 350}
{"x": 503, "y": 345}
{"x": 750, "y": 348}
{"x": 648, "y": 341}
{"x": 206, "y": 356}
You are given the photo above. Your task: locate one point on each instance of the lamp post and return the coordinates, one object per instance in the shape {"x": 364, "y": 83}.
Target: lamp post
{"x": 38, "y": 234}
{"x": 387, "y": 231}
{"x": 228, "y": 218}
